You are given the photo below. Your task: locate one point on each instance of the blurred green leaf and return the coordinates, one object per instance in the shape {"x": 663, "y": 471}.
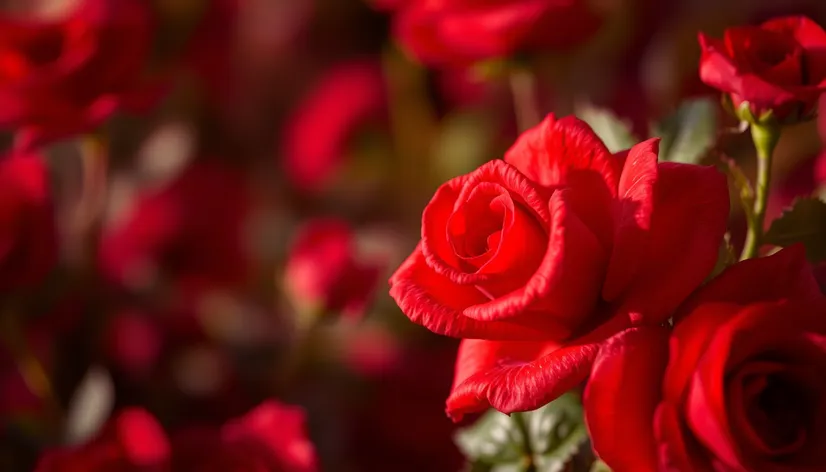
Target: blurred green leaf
{"x": 494, "y": 438}
{"x": 463, "y": 144}
{"x": 543, "y": 440}
{"x": 689, "y": 133}
{"x": 804, "y": 222}
{"x": 615, "y": 133}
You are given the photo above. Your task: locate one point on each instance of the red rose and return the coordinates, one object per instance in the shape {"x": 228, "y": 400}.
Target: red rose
{"x": 738, "y": 385}
{"x": 541, "y": 256}
{"x": 270, "y": 438}
{"x": 28, "y": 238}
{"x": 778, "y": 66}
{"x": 133, "y": 441}
{"x": 59, "y": 77}
{"x": 348, "y": 97}
{"x": 464, "y": 31}
{"x": 324, "y": 271}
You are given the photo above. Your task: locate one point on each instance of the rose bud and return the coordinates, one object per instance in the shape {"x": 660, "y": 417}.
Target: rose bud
{"x": 67, "y": 75}
{"x": 738, "y": 385}
{"x": 778, "y": 67}
{"x": 536, "y": 259}
{"x": 324, "y": 272}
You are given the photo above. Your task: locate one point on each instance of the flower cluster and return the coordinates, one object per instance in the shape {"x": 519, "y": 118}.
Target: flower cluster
{"x": 603, "y": 223}
{"x": 565, "y": 264}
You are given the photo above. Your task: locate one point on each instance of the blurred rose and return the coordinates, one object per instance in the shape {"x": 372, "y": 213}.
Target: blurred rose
{"x": 779, "y": 66}
{"x": 370, "y": 349}
{"x": 64, "y": 76}
{"x": 270, "y": 438}
{"x": 464, "y": 31}
{"x": 131, "y": 442}
{"x": 348, "y": 98}
{"x": 737, "y": 386}
{"x": 28, "y": 239}
{"x": 133, "y": 342}
{"x": 190, "y": 232}
{"x": 324, "y": 271}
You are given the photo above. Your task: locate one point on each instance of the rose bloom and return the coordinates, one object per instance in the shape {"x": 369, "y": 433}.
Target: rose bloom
{"x": 132, "y": 441}
{"x": 324, "y": 271}
{"x": 738, "y": 385}
{"x": 779, "y": 66}
{"x": 465, "y": 31}
{"x": 64, "y": 76}
{"x": 536, "y": 259}
{"x": 28, "y": 236}
{"x": 270, "y": 438}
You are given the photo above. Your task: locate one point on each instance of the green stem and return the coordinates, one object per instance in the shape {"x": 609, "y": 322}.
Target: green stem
{"x": 519, "y": 419}
{"x": 525, "y": 99}
{"x": 765, "y": 137}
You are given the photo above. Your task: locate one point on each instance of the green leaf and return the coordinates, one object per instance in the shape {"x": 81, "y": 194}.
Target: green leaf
{"x": 543, "y": 440}
{"x": 493, "y": 439}
{"x": 804, "y": 222}
{"x": 689, "y": 133}
{"x": 600, "y": 466}
{"x": 615, "y": 133}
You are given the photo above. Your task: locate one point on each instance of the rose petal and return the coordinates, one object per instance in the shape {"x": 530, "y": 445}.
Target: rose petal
{"x": 565, "y": 288}
{"x": 785, "y": 274}
{"x": 689, "y": 342}
{"x": 433, "y": 301}
{"x": 449, "y": 197}
{"x": 567, "y": 153}
{"x": 759, "y": 329}
{"x": 678, "y": 451}
{"x": 521, "y": 376}
{"x": 621, "y": 397}
{"x": 681, "y": 251}
{"x": 515, "y": 376}
{"x": 636, "y": 204}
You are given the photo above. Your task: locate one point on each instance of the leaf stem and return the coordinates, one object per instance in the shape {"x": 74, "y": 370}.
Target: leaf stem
{"x": 765, "y": 137}
{"x": 525, "y": 98}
